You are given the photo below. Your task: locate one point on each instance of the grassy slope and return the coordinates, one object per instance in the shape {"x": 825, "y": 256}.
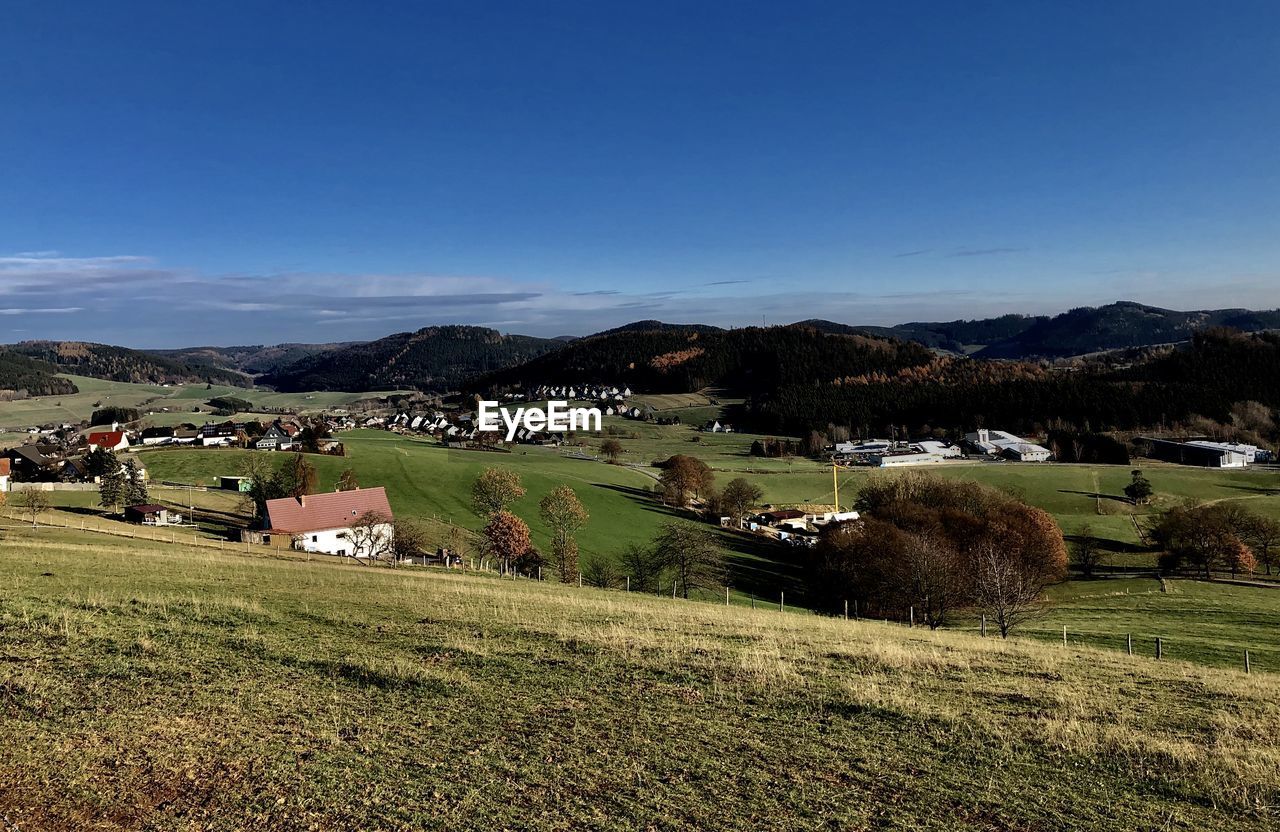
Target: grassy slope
{"x": 179, "y": 399}
{"x": 164, "y": 688}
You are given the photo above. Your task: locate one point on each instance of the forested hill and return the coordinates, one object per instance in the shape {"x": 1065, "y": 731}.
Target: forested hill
{"x": 1119, "y": 326}
{"x": 27, "y": 376}
{"x": 438, "y": 358}
{"x": 1081, "y": 331}
{"x": 752, "y": 360}
{"x": 257, "y": 359}
{"x": 122, "y": 364}
{"x": 1219, "y": 369}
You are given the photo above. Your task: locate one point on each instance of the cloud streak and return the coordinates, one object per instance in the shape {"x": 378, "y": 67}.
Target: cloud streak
{"x": 135, "y": 301}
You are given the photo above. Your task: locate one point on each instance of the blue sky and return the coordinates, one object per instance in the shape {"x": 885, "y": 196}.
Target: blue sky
{"x": 180, "y": 173}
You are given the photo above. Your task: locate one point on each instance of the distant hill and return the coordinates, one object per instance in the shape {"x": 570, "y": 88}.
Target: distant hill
{"x": 436, "y": 358}
{"x": 659, "y": 326}
{"x": 677, "y": 359}
{"x": 23, "y": 375}
{"x": 960, "y": 337}
{"x": 1118, "y": 326}
{"x": 122, "y": 364}
{"x": 1081, "y": 331}
{"x": 256, "y": 360}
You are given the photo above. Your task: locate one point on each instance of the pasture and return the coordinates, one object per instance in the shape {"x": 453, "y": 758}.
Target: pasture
{"x": 425, "y": 479}
{"x": 157, "y": 686}
{"x": 153, "y": 399}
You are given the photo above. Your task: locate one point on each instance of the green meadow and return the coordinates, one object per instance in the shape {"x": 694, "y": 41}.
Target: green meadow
{"x": 153, "y": 399}
{"x": 425, "y": 479}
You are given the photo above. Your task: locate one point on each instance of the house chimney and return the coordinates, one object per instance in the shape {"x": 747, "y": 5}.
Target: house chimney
{"x": 302, "y": 500}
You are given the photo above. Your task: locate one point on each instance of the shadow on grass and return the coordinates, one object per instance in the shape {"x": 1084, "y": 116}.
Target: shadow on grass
{"x": 1094, "y": 495}
{"x": 756, "y": 565}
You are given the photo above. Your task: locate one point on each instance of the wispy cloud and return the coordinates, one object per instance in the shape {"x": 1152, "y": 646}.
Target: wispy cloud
{"x": 136, "y": 301}
{"x": 983, "y": 252}
{"x": 51, "y": 310}
{"x": 915, "y": 253}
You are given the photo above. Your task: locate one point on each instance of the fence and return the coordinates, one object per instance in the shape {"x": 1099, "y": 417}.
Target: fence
{"x": 1156, "y": 647}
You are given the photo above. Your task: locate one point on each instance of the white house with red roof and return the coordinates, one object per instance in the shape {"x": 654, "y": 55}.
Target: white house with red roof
{"x": 324, "y": 522}
{"x": 4, "y": 475}
{"x": 111, "y": 440}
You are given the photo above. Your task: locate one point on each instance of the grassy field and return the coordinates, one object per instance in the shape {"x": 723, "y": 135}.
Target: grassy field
{"x": 179, "y": 400}
{"x": 426, "y": 479}
{"x": 158, "y": 687}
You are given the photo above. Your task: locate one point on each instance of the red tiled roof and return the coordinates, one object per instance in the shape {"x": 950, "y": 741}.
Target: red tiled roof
{"x": 106, "y": 438}
{"x": 326, "y": 511}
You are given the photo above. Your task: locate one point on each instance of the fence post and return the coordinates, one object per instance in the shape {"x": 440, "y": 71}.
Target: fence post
{"x": 782, "y": 602}
{"x": 753, "y": 600}
{"x": 673, "y": 589}
{"x": 579, "y": 580}
{"x": 1064, "y": 635}
{"x": 628, "y": 583}
{"x": 984, "y": 625}
{"x": 726, "y": 596}
{"x": 855, "y": 607}
{"x": 846, "y": 610}
{"x": 1159, "y": 648}
{"x": 1246, "y": 661}
{"x": 1129, "y": 642}
{"x": 912, "y": 619}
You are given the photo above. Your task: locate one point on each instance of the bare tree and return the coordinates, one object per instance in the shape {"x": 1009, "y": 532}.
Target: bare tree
{"x": 934, "y": 576}
{"x": 408, "y": 541}
{"x": 372, "y": 539}
{"x": 693, "y": 556}
{"x": 1004, "y": 589}
{"x": 33, "y": 502}
{"x": 1086, "y": 552}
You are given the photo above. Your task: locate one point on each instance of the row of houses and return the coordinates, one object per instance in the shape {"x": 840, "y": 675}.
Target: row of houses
{"x": 585, "y": 392}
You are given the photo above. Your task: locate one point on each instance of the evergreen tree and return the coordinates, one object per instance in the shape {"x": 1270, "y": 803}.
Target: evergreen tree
{"x": 111, "y": 488}
{"x": 134, "y": 486}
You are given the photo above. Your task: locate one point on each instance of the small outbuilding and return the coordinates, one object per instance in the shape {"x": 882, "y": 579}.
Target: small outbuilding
{"x": 150, "y": 515}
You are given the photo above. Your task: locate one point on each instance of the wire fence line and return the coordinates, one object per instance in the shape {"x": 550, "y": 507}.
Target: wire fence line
{"x": 1157, "y": 648}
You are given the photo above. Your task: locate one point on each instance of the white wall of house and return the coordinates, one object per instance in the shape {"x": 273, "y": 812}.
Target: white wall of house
{"x": 4, "y": 482}
{"x": 334, "y": 541}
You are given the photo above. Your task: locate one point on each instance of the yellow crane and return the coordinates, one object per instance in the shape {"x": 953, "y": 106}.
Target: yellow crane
{"x": 835, "y": 482}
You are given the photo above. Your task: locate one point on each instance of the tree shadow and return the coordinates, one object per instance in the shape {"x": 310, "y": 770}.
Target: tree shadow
{"x": 1094, "y": 495}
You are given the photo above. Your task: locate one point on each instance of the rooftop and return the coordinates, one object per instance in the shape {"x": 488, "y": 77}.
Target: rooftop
{"x": 326, "y": 511}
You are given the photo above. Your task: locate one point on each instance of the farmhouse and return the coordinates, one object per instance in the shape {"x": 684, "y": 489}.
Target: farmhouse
{"x": 108, "y": 440}
{"x": 279, "y": 437}
{"x": 324, "y": 522}
{"x": 157, "y": 436}
{"x": 32, "y": 463}
{"x": 224, "y": 435}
